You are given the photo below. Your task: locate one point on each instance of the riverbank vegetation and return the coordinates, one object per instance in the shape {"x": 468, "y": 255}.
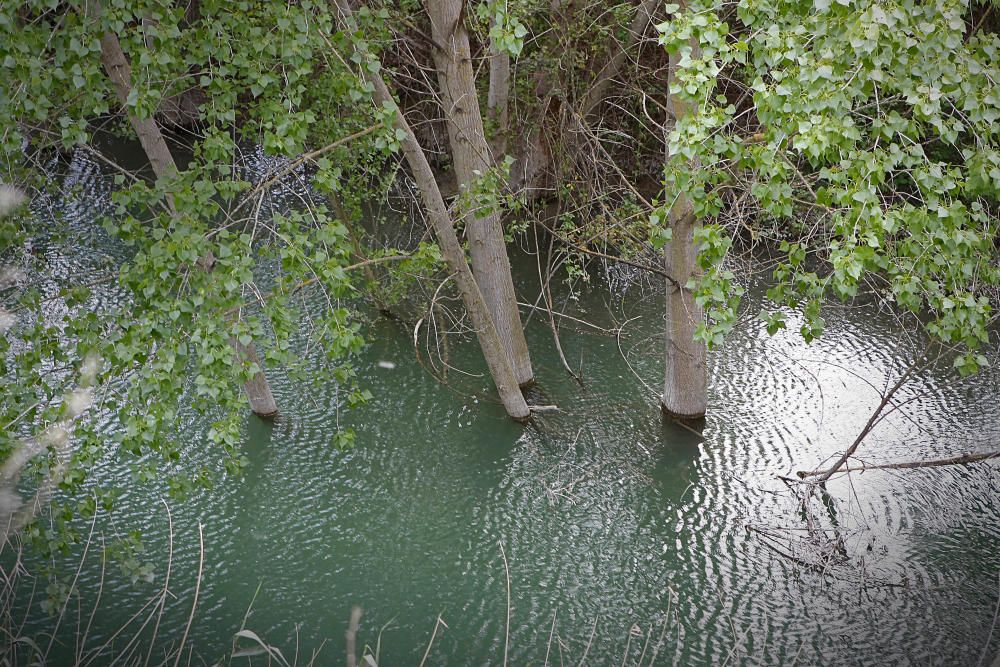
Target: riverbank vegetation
{"x": 848, "y": 149}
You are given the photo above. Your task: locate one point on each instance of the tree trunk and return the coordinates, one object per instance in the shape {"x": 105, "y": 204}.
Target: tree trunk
{"x": 155, "y": 147}
{"x": 685, "y": 385}
{"x": 437, "y": 213}
{"x": 497, "y": 101}
{"x": 257, "y": 388}
{"x": 493, "y": 349}
{"x": 471, "y": 157}
{"x": 115, "y": 63}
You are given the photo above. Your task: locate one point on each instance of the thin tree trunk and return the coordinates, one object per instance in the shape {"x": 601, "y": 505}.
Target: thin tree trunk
{"x": 685, "y": 393}
{"x": 437, "y": 213}
{"x": 613, "y": 67}
{"x": 155, "y": 147}
{"x": 534, "y": 156}
{"x": 497, "y": 100}
{"x": 489, "y": 340}
{"x": 115, "y": 63}
{"x": 471, "y": 157}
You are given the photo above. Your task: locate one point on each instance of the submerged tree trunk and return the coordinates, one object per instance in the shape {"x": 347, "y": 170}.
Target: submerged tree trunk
{"x": 471, "y": 158}
{"x": 444, "y": 230}
{"x": 258, "y": 390}
{"x": 489, "y": 340}
{"x": 685, "y": 385}
{"x": 686, "y": 378}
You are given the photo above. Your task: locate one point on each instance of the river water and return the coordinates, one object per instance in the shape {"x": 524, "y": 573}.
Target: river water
{"x": 621, "y": 538}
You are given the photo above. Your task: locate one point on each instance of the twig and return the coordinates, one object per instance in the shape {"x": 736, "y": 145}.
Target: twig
{"x": 874, "y": 419}
{"x": 197, "y": 590}
{"x": 548, "y": 645}
{"x": 305, "y": 157}
{"x": 506, "y": 637}
{"x": 593, "y": 631}
{"x": 166, "y": 580}
{"x": 968, "y": 457}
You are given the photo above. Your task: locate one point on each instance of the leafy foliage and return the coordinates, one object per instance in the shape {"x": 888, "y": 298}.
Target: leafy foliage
{"x": 203, "y": 267}
{"x": 866, "y": 133}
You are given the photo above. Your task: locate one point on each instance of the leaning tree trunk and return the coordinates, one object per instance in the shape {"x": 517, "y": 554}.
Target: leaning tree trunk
{"x": 489, "y": 340}
{"x": 471, "y": 158}
{"x": 258, "y": 389}
{"x": 496, "y": 357}
{"x": 685, "y": 393}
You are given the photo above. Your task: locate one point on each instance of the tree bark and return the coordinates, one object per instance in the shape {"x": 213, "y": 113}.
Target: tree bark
{"x": 471, "y": 157}
{"x": 497, "y": 100}
{"x": 444, "y": 230}
{"x": 120, "y": 73}
{"x": 489, "y": 340}
{"x": 685, "y": 384}
{"x": 115, "y": 63}
{"x": 685, "y": 394}
{"x": 257, "y": 388}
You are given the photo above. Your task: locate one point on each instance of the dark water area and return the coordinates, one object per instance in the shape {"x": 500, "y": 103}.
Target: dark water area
{"x": 625, "y": 539}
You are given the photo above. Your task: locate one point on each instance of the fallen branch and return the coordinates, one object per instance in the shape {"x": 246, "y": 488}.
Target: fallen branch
{"x": 968, "y": 457}
{"x": 875, "y": 418}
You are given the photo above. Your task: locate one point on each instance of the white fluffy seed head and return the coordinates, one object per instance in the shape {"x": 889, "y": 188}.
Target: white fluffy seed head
{"x": 7, "y": 320}
{"x": 89, "y": 369}
{"x": 10, "y": 199}
{"x": 56, "y": 435}
{"x": 78, "y": 401}
{"x": 10, "y": 275}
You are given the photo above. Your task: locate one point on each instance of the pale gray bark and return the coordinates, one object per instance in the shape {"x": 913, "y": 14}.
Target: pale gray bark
{"x": 257, "y": 388}
{"x": 498, "y": 98}
{"x": 685, "y": 385}
{"x": 115, "y": 63}
{"x": 471, "y": 157}
{"x": 686, "y": 378}
{"x": 489, "y": 340}
{"x": 444, "y": 230}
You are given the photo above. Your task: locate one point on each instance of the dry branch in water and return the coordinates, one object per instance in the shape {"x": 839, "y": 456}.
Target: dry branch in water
{"x": 967, "y": 457}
